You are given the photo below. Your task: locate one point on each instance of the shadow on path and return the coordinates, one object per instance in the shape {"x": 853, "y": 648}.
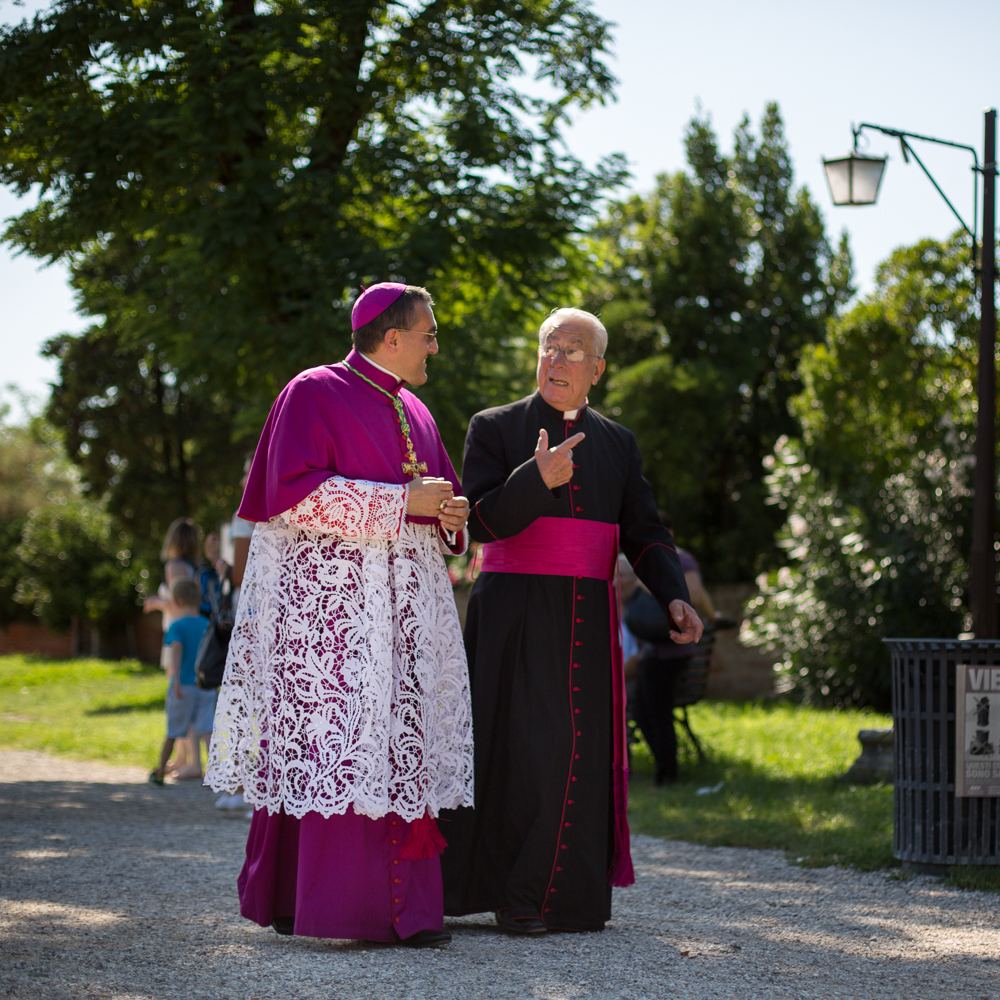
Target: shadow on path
{"x": 115, "y": 889}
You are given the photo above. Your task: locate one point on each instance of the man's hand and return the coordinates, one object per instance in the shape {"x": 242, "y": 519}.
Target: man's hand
{"x": 455, "y": 514}
{"x": 424, "y": 496}
{"x": 555, "y": 464}
{"x": 177, "y": 690}
{"x": 687, "y": 621}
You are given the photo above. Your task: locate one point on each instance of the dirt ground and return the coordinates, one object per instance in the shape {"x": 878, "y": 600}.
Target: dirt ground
{"x": 110, "y": 888}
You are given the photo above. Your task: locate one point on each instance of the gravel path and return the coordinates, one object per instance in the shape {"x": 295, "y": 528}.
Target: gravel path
{"x": 111, "y": 888}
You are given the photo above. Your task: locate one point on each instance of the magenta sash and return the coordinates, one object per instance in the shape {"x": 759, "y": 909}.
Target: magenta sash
{"x": 563, "y": 546}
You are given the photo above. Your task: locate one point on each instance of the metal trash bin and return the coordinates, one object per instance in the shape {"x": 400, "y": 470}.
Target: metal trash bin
{"x": 933, "y": 829}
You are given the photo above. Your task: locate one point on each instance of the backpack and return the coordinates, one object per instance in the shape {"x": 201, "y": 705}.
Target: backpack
{"x": 210, "y": 663}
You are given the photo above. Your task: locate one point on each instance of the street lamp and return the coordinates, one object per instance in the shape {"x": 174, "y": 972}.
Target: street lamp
{"x": 854, "y": 180}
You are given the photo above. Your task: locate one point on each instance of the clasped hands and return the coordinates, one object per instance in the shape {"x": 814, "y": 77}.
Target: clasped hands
{"x": 425, "y": 496}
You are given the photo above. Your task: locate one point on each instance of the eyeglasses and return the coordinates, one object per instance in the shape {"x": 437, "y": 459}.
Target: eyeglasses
{"x": 573, "y": 354}
{"x": 431, "y": 336}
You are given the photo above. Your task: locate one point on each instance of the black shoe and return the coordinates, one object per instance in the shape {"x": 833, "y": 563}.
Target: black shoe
{"x": 519, "y": 925}
{"x": 427, "y": 939}
{"x": 284, "y": 925}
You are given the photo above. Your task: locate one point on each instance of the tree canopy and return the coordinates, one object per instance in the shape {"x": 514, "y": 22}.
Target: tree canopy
{"x": 222, "y": 176}
{"x": 876, "y": 495}
{"x": 712, "y": 287}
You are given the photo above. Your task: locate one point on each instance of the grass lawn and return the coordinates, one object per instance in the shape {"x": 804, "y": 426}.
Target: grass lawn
{"x": 777, "y": 762}
{"x": 87, "y": 709}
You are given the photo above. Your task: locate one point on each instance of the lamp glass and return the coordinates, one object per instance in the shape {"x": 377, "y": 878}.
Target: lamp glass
{"x": 838, "y": 177}
{"x": 854, "y": 179}
{"x": 867, "y": 175}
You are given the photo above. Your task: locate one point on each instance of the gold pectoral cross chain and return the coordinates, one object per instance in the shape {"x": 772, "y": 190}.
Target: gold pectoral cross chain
{"x": 411, "y": 466}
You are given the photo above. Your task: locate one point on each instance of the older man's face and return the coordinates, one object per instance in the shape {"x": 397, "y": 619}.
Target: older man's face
{"x": 564, "y": 384}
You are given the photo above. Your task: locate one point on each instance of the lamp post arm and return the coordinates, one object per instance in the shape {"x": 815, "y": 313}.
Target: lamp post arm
{"x": 902, "y": 136}
{"x": 899, "y": 134}
{"x": 937, "y": 187}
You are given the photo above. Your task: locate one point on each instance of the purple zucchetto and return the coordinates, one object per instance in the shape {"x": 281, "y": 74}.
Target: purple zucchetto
{"x": 374, "y": 300}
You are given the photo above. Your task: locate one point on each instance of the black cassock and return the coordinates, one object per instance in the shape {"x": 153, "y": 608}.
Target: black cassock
{"x": 539, "y": 841}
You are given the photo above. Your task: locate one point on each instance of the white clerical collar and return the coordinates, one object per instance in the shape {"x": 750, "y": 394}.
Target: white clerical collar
{"x": 570, "y": 414}
{"x": 381, "y": 369}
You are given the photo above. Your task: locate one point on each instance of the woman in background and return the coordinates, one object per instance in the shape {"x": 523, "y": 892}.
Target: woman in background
{"x": 242, "y": 533}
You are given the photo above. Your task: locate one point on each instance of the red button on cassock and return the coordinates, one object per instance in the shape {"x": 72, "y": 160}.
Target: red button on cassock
{"x": 576, "y": 756}
{"x": 396, "y": 919}
{"x": 579, "y": 621}
{"x": 395, "y": 900}
{"x": 576, "y": 689}
{"x": 395, "y": 841}
{"x": 396, "y": 880}
{"x": 579, "y": 508}
{"x": 576, "y": 712}
{"x": 572, "y": 779}
{"x": 578, "y": 733}
{"x": 562, "y": 847}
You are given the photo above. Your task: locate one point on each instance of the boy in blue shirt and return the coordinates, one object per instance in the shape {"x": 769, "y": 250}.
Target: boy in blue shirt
{"x": 187, "y": 704}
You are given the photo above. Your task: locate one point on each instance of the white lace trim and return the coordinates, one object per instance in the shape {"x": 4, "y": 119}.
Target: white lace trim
{"x": 352, "y": 508}
{"x": 346, "y": 682}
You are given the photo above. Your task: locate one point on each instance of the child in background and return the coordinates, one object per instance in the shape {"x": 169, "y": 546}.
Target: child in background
{"x": 179, "y": 555}
{"x": 187, "y": 704}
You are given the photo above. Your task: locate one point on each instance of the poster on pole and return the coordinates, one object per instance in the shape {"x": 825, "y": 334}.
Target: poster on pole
{"x": 977, "y": 731}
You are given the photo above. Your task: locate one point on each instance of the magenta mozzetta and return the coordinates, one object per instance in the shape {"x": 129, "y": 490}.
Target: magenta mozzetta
{"x": 328, "y": 421}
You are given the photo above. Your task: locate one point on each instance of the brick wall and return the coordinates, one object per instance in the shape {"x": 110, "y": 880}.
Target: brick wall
{"x": 140, "y": 638}
{"x": 736, "y": 671}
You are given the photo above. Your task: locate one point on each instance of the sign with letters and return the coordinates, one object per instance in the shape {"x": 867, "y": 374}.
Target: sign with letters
{"x": 977, "y": 731}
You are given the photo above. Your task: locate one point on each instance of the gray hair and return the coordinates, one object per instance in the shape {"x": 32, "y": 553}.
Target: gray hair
{"x": 552, "y": 320}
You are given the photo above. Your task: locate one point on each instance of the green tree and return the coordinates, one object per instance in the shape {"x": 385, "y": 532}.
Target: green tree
{"x": 155, "y": 443}
{"x": 713, "y": 285}
{"x": 75, "y": 563}
{"x": 33, "y": 470}
{"x": 876, "y": 499}
{"x": 221, "y": 177}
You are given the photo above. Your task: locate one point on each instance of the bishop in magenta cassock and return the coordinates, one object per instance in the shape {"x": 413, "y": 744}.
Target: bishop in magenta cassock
{"x": 345, "y": 711}
{"x": 556, "y": 489}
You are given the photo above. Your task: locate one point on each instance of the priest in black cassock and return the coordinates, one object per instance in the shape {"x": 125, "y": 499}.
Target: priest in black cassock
{"x": 555, "y": 489}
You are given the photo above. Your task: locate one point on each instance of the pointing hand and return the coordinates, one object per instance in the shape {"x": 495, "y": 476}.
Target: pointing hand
{"x": 555, "y": 464}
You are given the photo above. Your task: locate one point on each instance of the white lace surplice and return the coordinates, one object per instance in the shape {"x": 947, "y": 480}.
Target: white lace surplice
{"x": 346, "y": 682}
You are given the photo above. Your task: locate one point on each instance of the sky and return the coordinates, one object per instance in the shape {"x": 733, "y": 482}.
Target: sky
{"x": 920, "y": 66}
